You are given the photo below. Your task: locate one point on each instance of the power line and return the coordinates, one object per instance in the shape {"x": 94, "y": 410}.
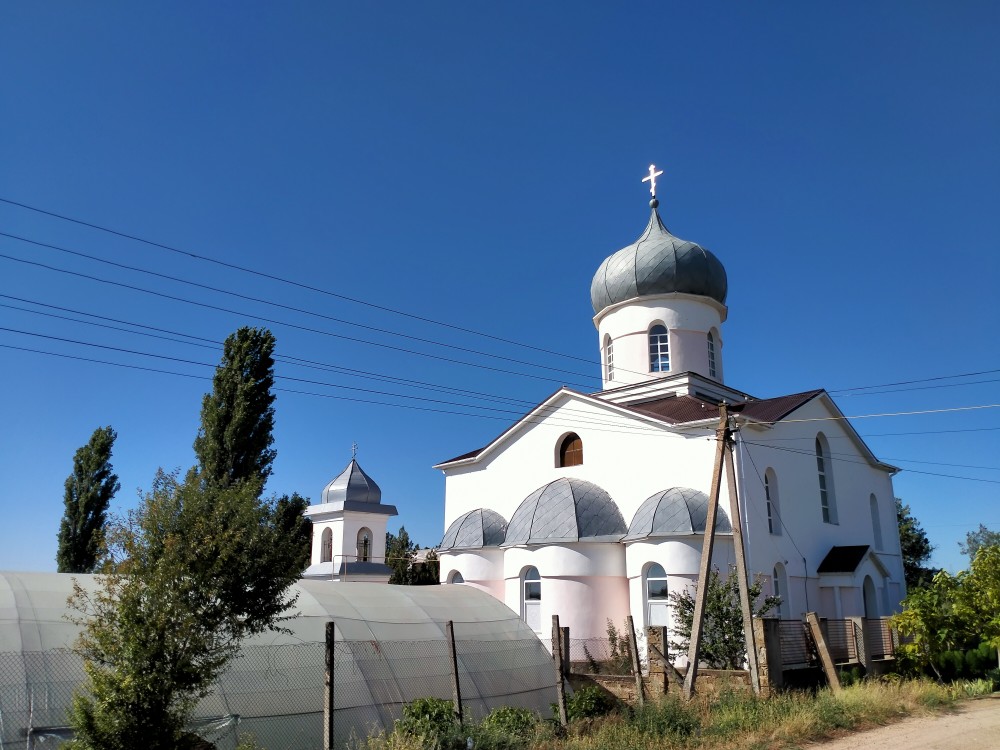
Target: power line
{"x": 291, "y": 308}
{"x": 291, "y": 282}
{"x": 273, "y": 321}
{"x": 881, "y": 434}
{"x": 920, "y": 380}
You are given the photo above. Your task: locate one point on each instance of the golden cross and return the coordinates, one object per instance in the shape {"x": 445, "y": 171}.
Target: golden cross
{"x": 653, "y": 174}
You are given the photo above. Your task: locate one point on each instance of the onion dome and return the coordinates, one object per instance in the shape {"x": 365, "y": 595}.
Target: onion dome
{"x": 658, "y": 263}
{"x": 481, "y": 527}
{"x": 566, "y": 510}
{"x": 679, "y": 510}
{"x": 353, "y": 486}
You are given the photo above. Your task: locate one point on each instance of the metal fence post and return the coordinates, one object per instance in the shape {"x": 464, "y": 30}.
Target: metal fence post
{"x": 456, "y": 689}
{"x": 328, "y": 690}
{"x": 560, "y": 675}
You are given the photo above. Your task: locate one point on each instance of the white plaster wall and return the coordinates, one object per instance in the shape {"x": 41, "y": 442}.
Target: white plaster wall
{"x": 344, "y": 527}
{"x": 630, "y": 459}
{"x": 792, "y": 457}
{"x": 481, "y": 569}
{"x": 584, "y": 584}
{"x": 688, "y": 318}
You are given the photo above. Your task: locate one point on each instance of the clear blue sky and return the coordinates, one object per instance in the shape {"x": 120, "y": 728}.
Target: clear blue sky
{"x": 474, "y": 163}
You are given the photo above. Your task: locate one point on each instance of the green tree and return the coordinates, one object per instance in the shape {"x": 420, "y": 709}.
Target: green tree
{"x": 929, "y": 619}
{"x": 723, "y": 645}
{"x": 981, "y": 537}
{"x": 198, "y": 569}
{"x": 979, "y": 602}
{"x": 400, "y": 551}
{"x": 916, "y": 548}
{"x": 89, "y": 490}
{"x": 291, "y": 522}
{"x": 237, "y": 417}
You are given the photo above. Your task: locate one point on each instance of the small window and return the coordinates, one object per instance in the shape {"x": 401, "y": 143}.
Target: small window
{"x": 781, "y": 590}
{"x": 711, "y": 356}
{"x": 876, "y": 521}
{"x": 531, "y": 599}
{"x": 455, "y": 577}
{"x": 571, "y": 450}
{"x": 609, "y": 358}
{"x": 771, "y": 500}
{"x": 326, "y": 546}
{"x": 364, "y": 545}
{"x": 659, "y": 349}
{"x": 827, "y": 501}
{"x": 656, "y": 582}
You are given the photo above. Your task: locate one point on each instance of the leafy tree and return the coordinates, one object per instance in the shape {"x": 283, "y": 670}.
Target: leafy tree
{"x": 237, "y": 417}
{"x": 291, "y": 522}
{"x": 916, "y": 548}
{"x": 981, "y": 537}
{"x": 198, "y": 568}
{"x": 723, "y": 644}
{"x": 928, "y": 618}
{"x": 89, "y": 490}
{"x": 399, "y": 555}
{"x": 980, "y": 599}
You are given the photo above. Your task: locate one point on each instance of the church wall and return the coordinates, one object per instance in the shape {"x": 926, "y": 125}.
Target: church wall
{"x": 688, "y": 320}
{"x": 583, "y": 583}
{"x": 792, "y": 457}
{"x": 630, "y": 460}
{"x": 481, "y": 569}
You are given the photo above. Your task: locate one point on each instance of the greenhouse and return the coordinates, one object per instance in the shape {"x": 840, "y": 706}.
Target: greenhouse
{"x": 391, "y": 647}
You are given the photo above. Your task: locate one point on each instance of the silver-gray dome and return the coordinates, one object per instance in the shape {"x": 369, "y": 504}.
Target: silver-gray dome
{"x": 679, "y": 510}
{"x": 352, "y": 485}
{"x": 658, "y": 263}
{"x": 481, "y": 527}
{"x": 566, "y": 510}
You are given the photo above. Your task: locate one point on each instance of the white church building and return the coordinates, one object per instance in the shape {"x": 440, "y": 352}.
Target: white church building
{"x": 593, "y": 505}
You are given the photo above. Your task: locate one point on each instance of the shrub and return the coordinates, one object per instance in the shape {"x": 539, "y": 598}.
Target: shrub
{"x": 589, "y": 702}
{"x": 519, "y": 722}
{"x": 431, "y": 718}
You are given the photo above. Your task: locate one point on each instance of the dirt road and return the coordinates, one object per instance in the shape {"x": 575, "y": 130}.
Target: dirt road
{"x": 975, "y": 725}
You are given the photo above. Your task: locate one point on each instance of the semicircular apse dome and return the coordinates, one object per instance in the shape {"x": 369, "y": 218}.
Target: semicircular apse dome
{"x": 675, "y": 511}
{"x": 566, "y": 510}
{"x": 478, "y": 528}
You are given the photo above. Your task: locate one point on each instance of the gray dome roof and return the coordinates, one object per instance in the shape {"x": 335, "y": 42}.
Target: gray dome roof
{"x": 353, "y": 485}
{"x": 566, "y": 510}
{"x": 679, "y": 510}
{"x": 658, "y": 263}
{"x": 481, "y": 527}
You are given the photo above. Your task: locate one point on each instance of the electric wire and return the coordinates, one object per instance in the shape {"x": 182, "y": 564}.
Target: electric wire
{"x": 292, "y": 308}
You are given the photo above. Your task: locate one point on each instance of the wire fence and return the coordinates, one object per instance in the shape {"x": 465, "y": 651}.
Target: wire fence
{"x": 275, "y": 693}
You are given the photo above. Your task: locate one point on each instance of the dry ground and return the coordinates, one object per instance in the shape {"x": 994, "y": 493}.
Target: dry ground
{"x": 974, "y": 725}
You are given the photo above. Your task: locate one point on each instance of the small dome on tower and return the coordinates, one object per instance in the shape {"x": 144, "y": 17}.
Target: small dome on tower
{"x": 566, "y": 510}
{"x": 658, "y": 263}
{"x": 679, "y": 510}
{"x": 481, "y": 527}
{"x": 353, "y": 485}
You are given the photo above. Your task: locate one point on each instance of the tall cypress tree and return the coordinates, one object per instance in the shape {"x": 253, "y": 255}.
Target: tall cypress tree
{"x": 234, "y": 442}
{"x": 89, "y": 490}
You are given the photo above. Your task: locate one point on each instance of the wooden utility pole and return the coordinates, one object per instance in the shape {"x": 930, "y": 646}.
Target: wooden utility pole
{"x": 723, "y": 458}
{"x": 456, "y": 688}
{"x": 328, "y": 690}
{"x": 701, "y": 593}
{"x": 746, "y": 606}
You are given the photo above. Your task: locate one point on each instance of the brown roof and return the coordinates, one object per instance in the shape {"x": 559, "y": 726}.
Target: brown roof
{"x": 680, "y": 409}
{"x": 470, "y": 454}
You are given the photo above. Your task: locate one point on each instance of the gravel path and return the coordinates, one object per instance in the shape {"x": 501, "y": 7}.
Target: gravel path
{"x": 975, "y": 725}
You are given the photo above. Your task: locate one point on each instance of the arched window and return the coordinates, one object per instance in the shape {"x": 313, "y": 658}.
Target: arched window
{"x": 531, "y": 598}
{"x": 326, "y": 546}
{"x": 771, "y": 500}
{"x": 876, "y": 521}
{"x": 609, "y": 358}
{"x": 780, "y": 580}
{"x": 827, "y": 501}
{"x": 871, "y": 602}
{"x": 455, "y": 577}
{"x": 571, "y": 450}
{"x": 659, "y": 349}
{"x": 656, "y": 595}
{"x": 364, "y": 545}
{"x": 711, "y": 356}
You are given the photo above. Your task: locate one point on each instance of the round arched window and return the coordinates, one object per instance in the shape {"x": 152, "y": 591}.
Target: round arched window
{"x": 326, "y": 546}
{"x": 455, "y": 577}
{"x": 571, "y": 450}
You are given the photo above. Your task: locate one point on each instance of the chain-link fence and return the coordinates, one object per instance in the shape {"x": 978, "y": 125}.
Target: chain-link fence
{"x": 275, "y": 692}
